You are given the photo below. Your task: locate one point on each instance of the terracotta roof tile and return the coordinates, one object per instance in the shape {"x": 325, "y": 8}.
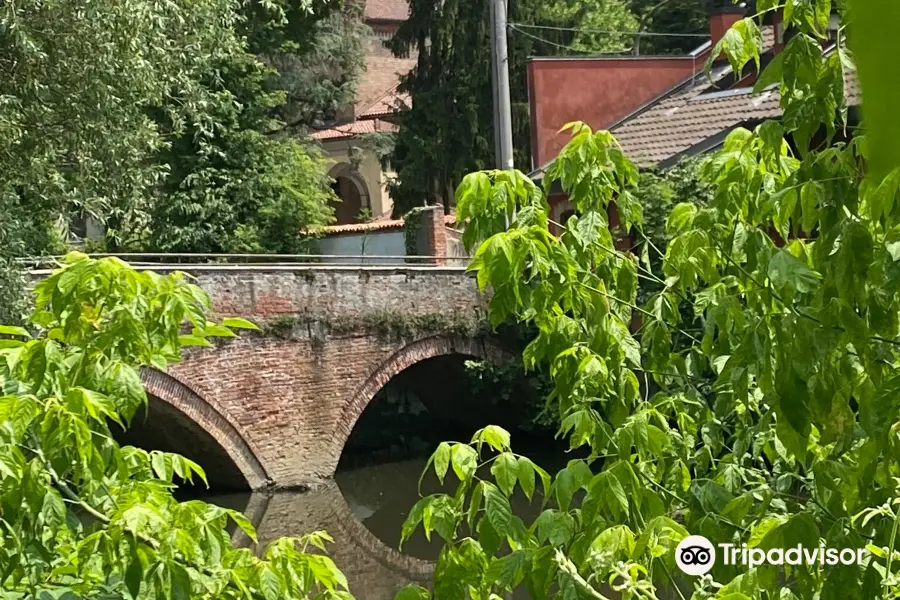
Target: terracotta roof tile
{"x": 354, "y": 129}
{"x": 387, "y": 10}
{"x": 694, "y": 113}
{"x": 377, "y": 225}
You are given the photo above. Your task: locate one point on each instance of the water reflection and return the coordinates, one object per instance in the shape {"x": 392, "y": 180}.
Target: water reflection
{"x": 363, "y": 510}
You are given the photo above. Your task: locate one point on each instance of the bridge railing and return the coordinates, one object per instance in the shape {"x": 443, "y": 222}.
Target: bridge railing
{"x": 192, "y": 261}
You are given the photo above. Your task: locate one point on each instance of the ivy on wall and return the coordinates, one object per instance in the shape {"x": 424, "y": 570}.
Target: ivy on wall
{"x": 412, "y": 225}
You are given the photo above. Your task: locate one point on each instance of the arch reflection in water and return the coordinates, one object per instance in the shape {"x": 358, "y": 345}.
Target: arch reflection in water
{"x": 374, "y": 570}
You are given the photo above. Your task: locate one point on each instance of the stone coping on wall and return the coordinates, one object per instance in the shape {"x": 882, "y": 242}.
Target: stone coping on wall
{"x": 207, "y": 268}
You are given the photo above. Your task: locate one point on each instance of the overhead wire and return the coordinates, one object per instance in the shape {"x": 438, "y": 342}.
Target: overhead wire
{"x": 513, "y": 27}
{"x": 607, "y": 31}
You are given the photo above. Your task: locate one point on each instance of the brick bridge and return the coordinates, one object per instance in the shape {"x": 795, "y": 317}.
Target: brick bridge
{"x": 274, "y": 409}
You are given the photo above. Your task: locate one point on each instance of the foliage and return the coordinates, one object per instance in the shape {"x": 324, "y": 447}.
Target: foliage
{"x": 673, "y": 16}
{"x": 236, "y": 183}
{"x": 317, "y": 60}
{"x": 412, "y": 228}
{"x": 160, "y": 120}
{"x": 77, "y": 78}
{"x": 797, "y": 443}
{"x": 84, "y": 517}
{"x": 510, "y": 384}
{"x": 245, "y": 193}
{"x": 22, "y": 233}
{"x": 658, "y": 193}
{"x": 448, "y": 131}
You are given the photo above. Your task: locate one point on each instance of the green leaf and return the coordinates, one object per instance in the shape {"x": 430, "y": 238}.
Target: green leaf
{"x": 53, "y": 510}
{"x": 237, "y": 323}
{"x": 874, "y": 39}
{"x": 681, "y": 218}
{"x": 555, "y": 527}
{"x": 193, "y": 340}
{"x": 506, "y": 470}
{"x": 464, "y": 460}
{"x": 497, "y": 508}
{"x": 179, "y": 582}
{"x": 243, "y": 523}
{"x": 18, "y": 331}
{"x": 412, "y": 592}
{"x": 134, "y": 575}
{"x": 508, "y": 571}
{"x": 213, "y": 330}
{"x": 495, "y": 437}
{"x": 269, "y": 583}
{"x": 760, "y": 530}
{"x": 612, "y": 491}
{"x": 415, "y": 516}
{"x": 441, "y": 459}
{"x": 785, "y": 269}
{"x": 525, "y": 473}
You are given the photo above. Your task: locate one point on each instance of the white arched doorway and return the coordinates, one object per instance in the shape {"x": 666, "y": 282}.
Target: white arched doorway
{"x": 353, "y": 192}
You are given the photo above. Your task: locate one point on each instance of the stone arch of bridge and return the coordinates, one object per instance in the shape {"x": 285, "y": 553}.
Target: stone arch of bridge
{"x": 411, "y": 354}
{"x": 178, "y": 396}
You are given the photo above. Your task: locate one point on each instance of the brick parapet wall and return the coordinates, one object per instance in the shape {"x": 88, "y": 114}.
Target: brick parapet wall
{"x": 335, "y": 293}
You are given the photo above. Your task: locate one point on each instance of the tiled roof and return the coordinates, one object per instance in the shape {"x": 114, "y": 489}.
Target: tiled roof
{"x": 694, "y": 112}
{"x": 378, "y": 225}
{"x": 353, "y": 129}
{"x": 387, "y": 10}
{"x": 684, "y": 119}
{"x": 386, "y": 105}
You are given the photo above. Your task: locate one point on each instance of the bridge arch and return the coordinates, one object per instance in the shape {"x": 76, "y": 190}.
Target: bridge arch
{"x": 184, "y": 402}
{"x": 411, "y": 354}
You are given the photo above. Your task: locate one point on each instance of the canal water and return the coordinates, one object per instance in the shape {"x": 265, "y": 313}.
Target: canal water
{"x": 364, "y": 510}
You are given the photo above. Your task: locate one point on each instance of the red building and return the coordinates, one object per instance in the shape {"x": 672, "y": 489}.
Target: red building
{"x": 660, "y": 109}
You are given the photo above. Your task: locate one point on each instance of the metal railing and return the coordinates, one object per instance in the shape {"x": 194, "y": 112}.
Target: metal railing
{"x": 281, "y": 261}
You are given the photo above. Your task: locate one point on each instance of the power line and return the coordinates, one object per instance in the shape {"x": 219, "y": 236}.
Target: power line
{"x": 608, "y": 31}
{"x": 515, "y": 28}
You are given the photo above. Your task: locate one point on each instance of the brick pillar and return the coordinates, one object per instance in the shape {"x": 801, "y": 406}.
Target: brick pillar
{"x": 434, "y": 234}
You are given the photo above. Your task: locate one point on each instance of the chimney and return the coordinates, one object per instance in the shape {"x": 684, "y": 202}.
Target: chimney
{"x": 721, "y": 19}
{"x": 778, "y": 30}
{"x": 432, "y": 240}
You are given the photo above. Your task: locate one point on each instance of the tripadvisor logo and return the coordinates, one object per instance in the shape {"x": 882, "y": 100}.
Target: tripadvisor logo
{"x": 696, "y": 555}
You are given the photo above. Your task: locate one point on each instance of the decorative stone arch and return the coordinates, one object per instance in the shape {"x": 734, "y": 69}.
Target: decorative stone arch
{"x": 415, "y": 352}
{"x": 183, "y": 399}
{"x": 350, "y": 186}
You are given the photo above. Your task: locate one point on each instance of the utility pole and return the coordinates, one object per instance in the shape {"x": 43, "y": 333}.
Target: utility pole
{"x": 494, "y": 90}
{"x": 502, "y": 110}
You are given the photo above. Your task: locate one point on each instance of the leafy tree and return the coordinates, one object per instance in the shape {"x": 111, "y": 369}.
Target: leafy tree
{"x": 77, "y": 78}
{"x": 659, "y": 193}
{"x": 161, "y": 120}
{"x": 84, "y": 517}
{"x": 672, "y": 16}
{"x": 318, "y": 65}
{"x": 797, "y": 443}
{"x": 448, "y": 131}
{"x": 236, "y": 182}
